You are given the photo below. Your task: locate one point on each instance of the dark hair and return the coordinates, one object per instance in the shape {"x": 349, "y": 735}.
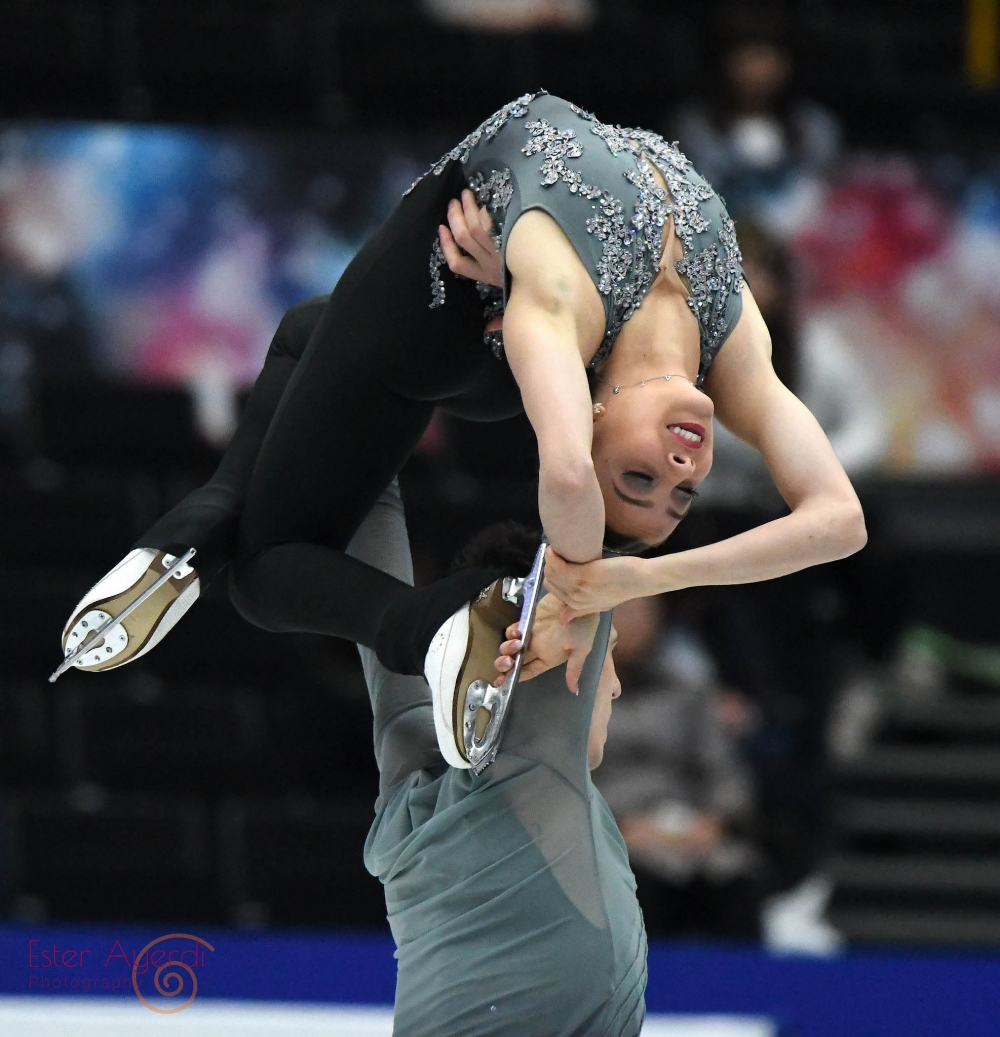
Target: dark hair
{"x": 504, "y": 545}
{"x": 621, "y": 544}
{"x": 512, "y": 546}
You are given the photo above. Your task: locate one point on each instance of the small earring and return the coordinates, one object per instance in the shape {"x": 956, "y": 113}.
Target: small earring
{"x": 598, "y": 408}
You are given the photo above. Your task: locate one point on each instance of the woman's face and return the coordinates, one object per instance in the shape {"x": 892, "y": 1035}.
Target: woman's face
{"x": 652, "y": 448}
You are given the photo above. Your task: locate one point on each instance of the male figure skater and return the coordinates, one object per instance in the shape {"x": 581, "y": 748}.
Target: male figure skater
{"x": 509, "y": 894}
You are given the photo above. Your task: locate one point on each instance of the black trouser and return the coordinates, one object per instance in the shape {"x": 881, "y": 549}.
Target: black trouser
{"x": 346, "y": 392}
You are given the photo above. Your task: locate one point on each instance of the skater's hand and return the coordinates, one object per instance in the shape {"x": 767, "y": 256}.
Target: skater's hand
{"x": 552, "y": 644}
{"x": 468, "y": 243}
{"x": 589, "y": 587}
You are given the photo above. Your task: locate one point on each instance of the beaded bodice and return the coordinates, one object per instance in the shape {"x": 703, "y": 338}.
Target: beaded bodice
{"x": 597, "y": 182}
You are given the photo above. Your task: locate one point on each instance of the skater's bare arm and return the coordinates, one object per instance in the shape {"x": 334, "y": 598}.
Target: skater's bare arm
{"x": 550, "y": 324}
{"x": 539, "y": 309}
{"x": 825, "y": 523}
{"x": 553, "y": 315}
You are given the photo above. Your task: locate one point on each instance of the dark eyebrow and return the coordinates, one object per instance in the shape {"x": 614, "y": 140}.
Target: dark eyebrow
{"x": 632, "y": 500}
{"x": 648, "y": 504}
{"x": 683, "y": 514}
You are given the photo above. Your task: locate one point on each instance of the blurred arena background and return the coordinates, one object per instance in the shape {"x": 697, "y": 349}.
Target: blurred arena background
{"x": 806, "y": 771}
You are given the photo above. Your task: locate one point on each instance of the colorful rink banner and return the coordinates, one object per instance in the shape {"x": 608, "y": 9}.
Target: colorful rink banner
{"x": 167, "y": 254}
{"x": 707, "y": 991}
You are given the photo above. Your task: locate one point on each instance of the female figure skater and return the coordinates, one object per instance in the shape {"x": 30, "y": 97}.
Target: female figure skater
{"x": 608, "y": 239}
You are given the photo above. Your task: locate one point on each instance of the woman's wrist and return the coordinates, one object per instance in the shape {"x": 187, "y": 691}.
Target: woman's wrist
{"x": 661, "y": 575}
{"x": 640, "y": 579}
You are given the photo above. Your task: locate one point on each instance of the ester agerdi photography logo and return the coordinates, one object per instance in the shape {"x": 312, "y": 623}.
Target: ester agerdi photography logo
{"x": 163, "y": 975}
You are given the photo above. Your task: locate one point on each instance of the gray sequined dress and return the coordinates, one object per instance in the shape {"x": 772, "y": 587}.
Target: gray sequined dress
{"x": 596, "y": 181}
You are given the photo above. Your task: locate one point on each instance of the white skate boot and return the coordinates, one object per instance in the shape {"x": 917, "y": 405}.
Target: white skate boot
{"x": 469, "y": 710}
{"x": 129, "y": 611}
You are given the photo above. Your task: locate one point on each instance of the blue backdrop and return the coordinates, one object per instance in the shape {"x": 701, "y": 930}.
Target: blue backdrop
{"x": 861, "y": 994}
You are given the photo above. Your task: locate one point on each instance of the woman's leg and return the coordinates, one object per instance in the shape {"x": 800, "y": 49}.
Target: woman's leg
{"x": 354, "y": 409}
{"x": 208, "y": 517}
{"x": 205, "y": 520}
{"x": 405, "y": 740}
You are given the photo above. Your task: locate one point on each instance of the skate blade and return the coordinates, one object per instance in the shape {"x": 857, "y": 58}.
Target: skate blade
{"x": 495, "y": 610}
{"x": 110, "y": 628}
{"x": 482, "y": 740}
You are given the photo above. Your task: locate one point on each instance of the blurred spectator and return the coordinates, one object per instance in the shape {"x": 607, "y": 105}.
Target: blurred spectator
{"x": 751, "y": 136}
{"x": 44, "y": 327}
{"x": 781, "y": 641}
{"x": 44, "y": 228}
{"x": 673, "y": 778}
{"x": 817, "y": 364}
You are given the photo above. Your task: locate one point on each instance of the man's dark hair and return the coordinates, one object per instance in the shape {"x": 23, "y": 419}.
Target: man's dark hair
{"x": 504, "y": 545}
{"x": 512, "y": 546}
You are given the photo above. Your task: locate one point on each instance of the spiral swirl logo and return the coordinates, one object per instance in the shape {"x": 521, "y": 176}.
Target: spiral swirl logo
{"x": 172, "y": 973}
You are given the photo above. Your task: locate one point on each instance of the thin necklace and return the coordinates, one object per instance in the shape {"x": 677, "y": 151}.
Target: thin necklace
{"x": 666, "y": 377}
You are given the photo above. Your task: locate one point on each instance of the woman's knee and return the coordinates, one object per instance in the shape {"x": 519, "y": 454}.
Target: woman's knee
{"x": 248, "y": 596}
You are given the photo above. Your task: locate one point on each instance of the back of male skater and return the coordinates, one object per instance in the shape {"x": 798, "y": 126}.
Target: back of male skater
{"x": 509, "y": 895}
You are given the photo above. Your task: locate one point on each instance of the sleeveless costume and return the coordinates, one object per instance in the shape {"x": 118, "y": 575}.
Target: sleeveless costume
{"x": 604, "y": 197}
{"x": 388, "y": 347}
{"x": 509, "y": 894}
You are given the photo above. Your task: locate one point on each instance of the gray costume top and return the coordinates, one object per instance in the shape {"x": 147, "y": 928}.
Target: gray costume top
{"x": 509, "y": 895}
{"x": 596, "y": 182}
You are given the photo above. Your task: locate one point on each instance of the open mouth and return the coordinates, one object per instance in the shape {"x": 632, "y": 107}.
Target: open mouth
{"x": 690, "y": 433}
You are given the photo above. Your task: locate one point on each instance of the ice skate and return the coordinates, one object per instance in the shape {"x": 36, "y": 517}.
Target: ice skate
{"x": 129, "y": 611}
{"x": 469, "y": 710}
